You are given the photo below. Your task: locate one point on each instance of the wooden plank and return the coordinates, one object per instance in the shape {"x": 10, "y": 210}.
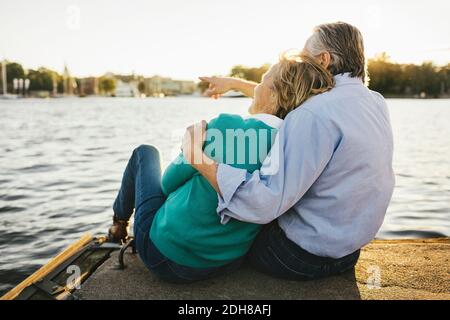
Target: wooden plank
{"x": 49, "y": 267}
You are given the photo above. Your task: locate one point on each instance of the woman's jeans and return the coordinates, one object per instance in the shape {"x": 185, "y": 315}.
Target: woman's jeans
{"x": 141, "y": 191}
{"x": 273, "y": 253}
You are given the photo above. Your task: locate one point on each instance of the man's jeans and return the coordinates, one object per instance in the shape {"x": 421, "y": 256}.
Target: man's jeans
{"x": 141, "y": 191}
{"x": 273, "y": 253}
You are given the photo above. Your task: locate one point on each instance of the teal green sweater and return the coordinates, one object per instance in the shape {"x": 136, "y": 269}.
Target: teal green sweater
{"x": 187, "y": 229}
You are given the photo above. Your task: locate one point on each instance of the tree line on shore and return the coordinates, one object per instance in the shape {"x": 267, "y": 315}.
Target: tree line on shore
{"x": 387, "y": 77}
{"x": 44, "y": 79}
{"x": 394, "y": 79}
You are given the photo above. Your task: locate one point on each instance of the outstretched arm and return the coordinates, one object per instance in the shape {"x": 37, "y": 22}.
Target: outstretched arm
{"x": 221, "y": 85}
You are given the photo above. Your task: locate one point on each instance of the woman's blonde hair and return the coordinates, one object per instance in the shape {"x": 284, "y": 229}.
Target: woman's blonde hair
{"x": 296, "y": 78}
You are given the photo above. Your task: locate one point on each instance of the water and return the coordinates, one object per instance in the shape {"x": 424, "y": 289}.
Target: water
{"x": 61, "y": 162}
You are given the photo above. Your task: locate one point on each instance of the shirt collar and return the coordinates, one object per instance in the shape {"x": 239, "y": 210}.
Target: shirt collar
{"x": 268, "y": 119}
{"x": 345, "y": 79}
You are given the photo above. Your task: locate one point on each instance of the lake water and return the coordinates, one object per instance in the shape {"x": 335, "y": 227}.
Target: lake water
{"x": 61, "y": 161}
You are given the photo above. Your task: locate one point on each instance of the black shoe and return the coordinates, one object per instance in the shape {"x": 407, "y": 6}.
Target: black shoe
{"x": 118, "y": 232}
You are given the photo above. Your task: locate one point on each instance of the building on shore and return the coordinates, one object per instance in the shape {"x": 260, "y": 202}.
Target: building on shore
{"x": 157, "y": 86}
{"x": 127, "y": 89}
{"x": 69, "y": 83}
{"x": 187, "y": 87}
{"x": 88, "y": 86}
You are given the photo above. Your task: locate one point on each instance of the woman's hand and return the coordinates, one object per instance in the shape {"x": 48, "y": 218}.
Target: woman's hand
{"x": 218, "y": 86}
{"x": 221, "y": 85}
{"x": 192, "y": 145}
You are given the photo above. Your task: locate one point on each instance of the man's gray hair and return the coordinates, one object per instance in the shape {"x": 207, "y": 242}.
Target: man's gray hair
{"x": 345, "y": 45}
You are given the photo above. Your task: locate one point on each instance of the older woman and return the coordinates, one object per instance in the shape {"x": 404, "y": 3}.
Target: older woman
{"x": 178, "y": 234}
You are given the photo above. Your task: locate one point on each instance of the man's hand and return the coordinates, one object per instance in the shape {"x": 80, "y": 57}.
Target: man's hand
{"x": 218, "y": 86}
{"x": 192, "y": 148}
{"x": 192, "y": 145}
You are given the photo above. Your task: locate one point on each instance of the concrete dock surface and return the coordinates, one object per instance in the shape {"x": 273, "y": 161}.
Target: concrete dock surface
{"x": 387, "y": 269}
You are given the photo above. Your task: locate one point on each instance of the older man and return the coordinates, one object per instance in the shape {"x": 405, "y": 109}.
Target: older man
{"x": 333, "y": 178}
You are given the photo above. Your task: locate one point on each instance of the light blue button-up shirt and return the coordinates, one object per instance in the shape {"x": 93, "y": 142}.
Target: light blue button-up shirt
{"x": 331, "y": 163}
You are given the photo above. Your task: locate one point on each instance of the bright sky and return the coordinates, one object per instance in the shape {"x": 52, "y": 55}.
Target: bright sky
{"x": 187, "y": 38}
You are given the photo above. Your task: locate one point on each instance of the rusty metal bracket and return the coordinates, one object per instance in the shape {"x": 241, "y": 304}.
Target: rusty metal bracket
{"x": 130, "y": 243}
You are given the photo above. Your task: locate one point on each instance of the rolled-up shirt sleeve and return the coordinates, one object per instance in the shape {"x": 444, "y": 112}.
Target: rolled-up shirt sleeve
{"x": 303, "y": 147}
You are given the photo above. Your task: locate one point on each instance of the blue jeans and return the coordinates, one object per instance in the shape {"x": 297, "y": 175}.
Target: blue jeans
{"x": 273, "y": 253}
{"x": 141, "y": 191}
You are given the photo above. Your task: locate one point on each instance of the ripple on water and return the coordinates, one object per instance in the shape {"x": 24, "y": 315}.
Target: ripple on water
{"x": 38, "y": 168}
{"x": 15, "y": 197}
{"x": 412, "y": 234}
{"x": 16, "y": 237}
{"x": 411, "y": 217}
{"x": 107, "y": 191}
{"x": 404, "y": 175}
{"x": 57, "y": 183}
{"x": 11, "y": 209}
{"x": 426, "y": 212}
{"x": 96, "y": 148}
{"x": 64, "y": 139}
